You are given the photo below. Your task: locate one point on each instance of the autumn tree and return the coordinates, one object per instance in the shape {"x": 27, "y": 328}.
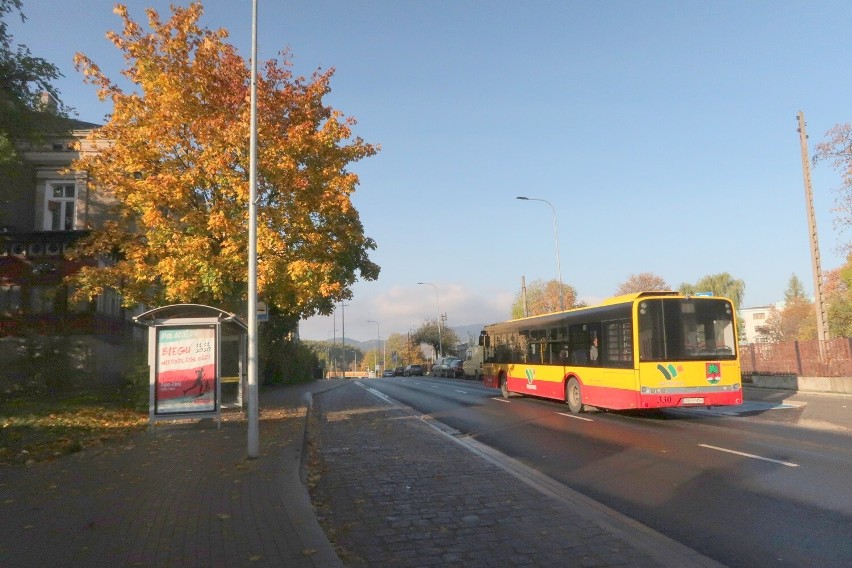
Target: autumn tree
{"x": 177, "y": 166}
{"x": 543, "y": 298}
{"x": 646, "y": 281}
{"x": 25, "y": 81}
{"x": 836, "y": 149}
{"x": 796, "y": 320}
{"x": 838, "y": 296}
{"x": 397, "y": 344}
{"x": 427, "y": 333}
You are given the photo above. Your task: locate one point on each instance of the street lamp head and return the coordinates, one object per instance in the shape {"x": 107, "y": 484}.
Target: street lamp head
{"x": 524, "y": 198}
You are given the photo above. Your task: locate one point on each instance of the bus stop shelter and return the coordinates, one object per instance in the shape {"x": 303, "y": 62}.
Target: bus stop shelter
{"x": 193, "y": 350}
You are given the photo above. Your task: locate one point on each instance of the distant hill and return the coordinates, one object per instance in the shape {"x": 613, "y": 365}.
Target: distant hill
{"x": 466, "y": 333}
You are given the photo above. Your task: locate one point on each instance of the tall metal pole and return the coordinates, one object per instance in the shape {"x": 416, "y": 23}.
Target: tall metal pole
{"x": 440, "y": 341}
{"x": 253, "y": 422}
{"x": 378, "y": 344}
{"x": 819, "y": 297}
{"x": 556, "y": 235}
{"x": 343, "y": 335}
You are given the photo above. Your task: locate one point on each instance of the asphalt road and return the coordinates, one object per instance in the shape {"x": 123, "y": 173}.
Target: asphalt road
{"x": 746, "y": 487}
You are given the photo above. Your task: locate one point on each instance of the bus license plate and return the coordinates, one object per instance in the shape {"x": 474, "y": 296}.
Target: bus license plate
{"x": 693, "y": 400}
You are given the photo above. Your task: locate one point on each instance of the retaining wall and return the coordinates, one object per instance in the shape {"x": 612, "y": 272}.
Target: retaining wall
{"x": 840, "y": 385}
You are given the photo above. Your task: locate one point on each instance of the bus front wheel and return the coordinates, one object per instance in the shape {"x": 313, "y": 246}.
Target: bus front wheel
{"x": 573, "y": 398}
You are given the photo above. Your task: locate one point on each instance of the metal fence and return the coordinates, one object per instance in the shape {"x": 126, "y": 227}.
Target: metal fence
{"x": 831, "y": 358}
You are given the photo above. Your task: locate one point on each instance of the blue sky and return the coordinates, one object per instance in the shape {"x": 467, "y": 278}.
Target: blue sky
{"x": 663, "y": 134}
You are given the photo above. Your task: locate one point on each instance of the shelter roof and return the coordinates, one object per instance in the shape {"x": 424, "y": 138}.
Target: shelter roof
{"x": 191, "y": 311}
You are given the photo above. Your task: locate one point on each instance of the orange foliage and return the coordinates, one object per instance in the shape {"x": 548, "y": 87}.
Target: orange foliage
{"x": 177, "y": 166}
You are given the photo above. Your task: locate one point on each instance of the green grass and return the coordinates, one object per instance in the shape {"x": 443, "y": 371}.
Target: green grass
{"x": 39, "y": 426}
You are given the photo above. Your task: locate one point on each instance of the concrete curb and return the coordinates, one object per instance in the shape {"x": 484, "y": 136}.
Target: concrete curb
{"x": 315, "y": 544}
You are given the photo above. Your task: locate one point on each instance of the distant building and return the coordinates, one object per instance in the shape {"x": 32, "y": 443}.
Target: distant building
{"x": 754, "y": 324}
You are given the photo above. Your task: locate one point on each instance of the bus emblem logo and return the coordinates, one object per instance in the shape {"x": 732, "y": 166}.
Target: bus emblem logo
{"x": 714, "y": 373}
{"x": 530, "y": 375}
{"x": 669, "y": 372}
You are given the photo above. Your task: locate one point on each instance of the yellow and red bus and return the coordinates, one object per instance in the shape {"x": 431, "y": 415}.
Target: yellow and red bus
{"x": 637, "y": 351}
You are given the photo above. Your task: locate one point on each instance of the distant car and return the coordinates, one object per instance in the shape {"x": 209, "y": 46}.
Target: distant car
{"x": 454, "y": 368}
{"x": 442, "y": 367}
{"x": 387, "y": 373}
{"x": 412, "y": 371}
{"x": 398, "y": 371}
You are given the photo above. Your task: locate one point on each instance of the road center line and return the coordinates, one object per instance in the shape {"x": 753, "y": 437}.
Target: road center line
{"x": 788, "y": 464}
{"x": 574, "y": 416}
{"x": 463, "y": 392}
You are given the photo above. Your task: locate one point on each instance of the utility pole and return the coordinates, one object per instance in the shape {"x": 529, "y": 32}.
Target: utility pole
{"x": 343, "y": 335}
{"x": 819, "y": 298}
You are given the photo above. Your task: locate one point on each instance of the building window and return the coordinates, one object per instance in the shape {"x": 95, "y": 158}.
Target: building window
{"x": 60, "y": 203}
{"x": 759, "y": 316}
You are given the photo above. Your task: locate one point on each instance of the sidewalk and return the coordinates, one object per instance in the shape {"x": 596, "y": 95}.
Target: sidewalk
{"x": 184, "y": 495}
{"x": 824, "y": 411}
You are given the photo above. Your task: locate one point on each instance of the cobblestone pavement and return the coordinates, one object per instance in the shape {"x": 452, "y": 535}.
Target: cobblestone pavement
{"x": 394, "y": 492}
{"x": 182, "y": 496}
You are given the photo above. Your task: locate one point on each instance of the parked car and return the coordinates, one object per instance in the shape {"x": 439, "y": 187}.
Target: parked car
{"x": 442, "y": 366}
{"x": 438, "y": 368}
{"x": 387, "y": 373}
{"x": 454, "y": 369}
{"x": 412, "y": 371}
{"x": 398, "y": 372}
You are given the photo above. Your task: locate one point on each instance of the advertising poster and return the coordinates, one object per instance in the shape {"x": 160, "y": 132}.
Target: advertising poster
{"x": 186, "y": 369}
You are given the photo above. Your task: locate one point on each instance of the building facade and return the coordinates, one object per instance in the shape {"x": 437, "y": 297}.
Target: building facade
{"x": 45, "y": 207}
{"x": 754, "y": 324}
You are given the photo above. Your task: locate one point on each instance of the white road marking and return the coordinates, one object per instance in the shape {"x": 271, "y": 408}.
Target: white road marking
{"x": 381, "y": 395}
{"x": 500, "y": 399}
{"x": 575, "y": 416}
{"x": 463, "y": 392}
{"x": 788, "y": 464}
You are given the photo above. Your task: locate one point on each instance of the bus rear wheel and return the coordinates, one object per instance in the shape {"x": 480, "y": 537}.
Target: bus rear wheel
{"x": 573, "y": 396}
{"x": 504, "y": 386}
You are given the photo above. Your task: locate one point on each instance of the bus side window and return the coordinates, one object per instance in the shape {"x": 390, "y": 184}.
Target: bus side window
{"x": 562, "y": 350}
{"x": 585, "y": 344}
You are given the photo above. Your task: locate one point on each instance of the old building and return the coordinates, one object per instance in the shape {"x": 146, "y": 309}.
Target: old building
{"x": 44, "y": 208}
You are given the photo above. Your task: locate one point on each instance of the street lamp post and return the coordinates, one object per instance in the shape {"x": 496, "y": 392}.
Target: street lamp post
{"x": 556, "y": 236}
{"x": 252, "y": 363}
{"x": 378, "y": 344}
{"x": 440, "y": 342}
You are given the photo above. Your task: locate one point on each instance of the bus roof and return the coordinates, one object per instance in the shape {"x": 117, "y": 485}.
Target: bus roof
{"x": 635, "y": 295}
{"x": 614, "y": 300}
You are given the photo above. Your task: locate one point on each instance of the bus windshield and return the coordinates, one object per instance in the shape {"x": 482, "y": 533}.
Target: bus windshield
{"x": 688, "y": 329}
